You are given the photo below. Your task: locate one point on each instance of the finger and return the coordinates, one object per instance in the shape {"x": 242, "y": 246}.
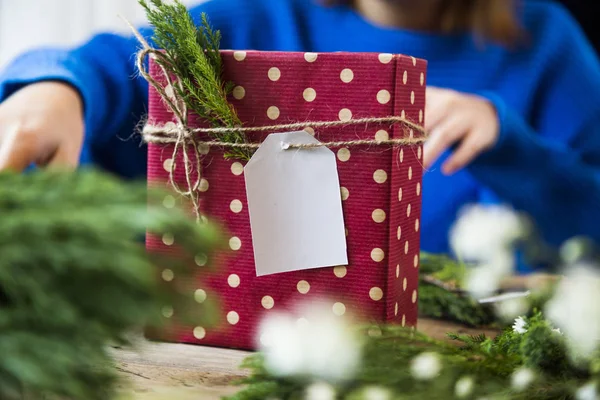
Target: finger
{"x": 65, "y": 158}
{"x": 15, "y": 153}
{"x": 441, "y": 138}
{"x": 436, "y": 108}
{"x": 471, "y": 146}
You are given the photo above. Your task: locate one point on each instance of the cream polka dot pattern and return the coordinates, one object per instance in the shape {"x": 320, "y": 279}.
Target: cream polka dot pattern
{"x": 169, "y": 201}
{"x": 396, "y": 309}
{"x": 168, "y": 275}
{"x": 343, "y": 154}
{"x": 237, "y": 169}
{"x": 239, "y": 92}
{"x": 377, "y": 255}
{"x": 339, "y": 309}
{"x": 384, "y": 96}
{"x": 380, "y": 176}
{"x": 408, "y": 210}
{"x": 200, "y": 296}
{"x": 404, "y": 284}
{"x": 303, "y": 287}
{"x": 309, "y": 94}
{"x": 273, "y": 113}
{"x": 168, "y": 239}
{"x": 233, "y": 318}
{"x": 311, "y": 57}
{"x": 406, "y": 247}
{"x": 310, "y": 130}
{"x": 418, "y": 188}
{"x": 345, "y": 115}
{"x": 239, "y": 55}
{"x": 376, "y": 294}
{"x": 235, "y": 243}
{"x": 417, "y": 225}
{"x": 267, "y": 302}
{"x": 201, "y": 260}
{"x": 420, "y": 116}
{"x": 204, "y": 185}
{"x": 385, "y": 58}
{"x": 403, "y": 321}
{"x": 168, "y": 165}
{"x": 405, "y": 77}
{"x": 401, "y": 155}
{"x": 347, "y": 75}
{"x": 236, "y": 206}
{"x": 199, "y": 332}
{"x": 345, "y": 193}
{"x": 378, "y": 216}
{"x": 400, "y": 193}
{"x": 167, "y": 311}
{"x": 398, "y": 271}
{"x": 340, "y": 271}
{"x": 414, "y": 297}
{"x": 416, "y": 261}
{"x": 422, "y": 78}
{"x": 399, "y": 233}
{"x": 233, "y": 281}
{"x": 420, "y": 153}
{"x": 382, "y": 135}
{"x": 274, "y": 74}
{"x": 412, "y": 97}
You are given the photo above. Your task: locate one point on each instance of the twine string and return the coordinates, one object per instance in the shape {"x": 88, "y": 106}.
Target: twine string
{"x": 183, "y": 137}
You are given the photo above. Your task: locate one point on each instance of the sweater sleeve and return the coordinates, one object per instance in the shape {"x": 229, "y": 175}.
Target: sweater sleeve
{"x": 549, "y": 165}
{"x": 103, "y": 71}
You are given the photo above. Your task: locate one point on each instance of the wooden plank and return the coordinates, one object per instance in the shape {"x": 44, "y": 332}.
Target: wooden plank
{"x": 164, "y": 371}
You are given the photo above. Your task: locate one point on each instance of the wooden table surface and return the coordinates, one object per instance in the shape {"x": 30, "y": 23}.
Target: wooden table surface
{"x": 163, "y": 371}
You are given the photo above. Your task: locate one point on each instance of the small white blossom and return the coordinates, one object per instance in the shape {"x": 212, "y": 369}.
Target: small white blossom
{"x": 320, "y": 391}
{"x": 575, "y": 309}
{"x": 426, "y": 366}
{"x": 464, "y": 387}
{"x": 481, "y": 232}
{"x": 484, "y": 279}
{"x": 376, "y": 393}
{"x": 508, "y": 310}
{"x": 323, "y": 346}
{"x": 588, "y": 392}
{"x": 519, "y": 325}
{"x": 522, "y": 378}
{"x": 557, "y": 330}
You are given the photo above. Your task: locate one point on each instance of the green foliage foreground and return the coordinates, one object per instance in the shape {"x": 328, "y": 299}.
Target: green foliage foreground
{"x": 75, "y": 277}
{"x": 529, "y": 365}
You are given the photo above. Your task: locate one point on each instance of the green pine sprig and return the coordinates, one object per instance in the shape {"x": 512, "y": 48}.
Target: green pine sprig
{"x": 75, "y": 278}
{"x": 191, "y": 54}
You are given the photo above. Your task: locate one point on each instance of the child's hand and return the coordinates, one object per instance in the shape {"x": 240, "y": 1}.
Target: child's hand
{"x": 41, "y": 124}
{"x": 454, "y": 118}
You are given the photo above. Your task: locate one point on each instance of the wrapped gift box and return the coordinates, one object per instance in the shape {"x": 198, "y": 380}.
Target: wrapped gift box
{"x": 381, "y": 189}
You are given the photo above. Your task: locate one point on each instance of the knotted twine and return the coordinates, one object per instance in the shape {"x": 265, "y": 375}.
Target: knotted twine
{"x": 183, "y": 137}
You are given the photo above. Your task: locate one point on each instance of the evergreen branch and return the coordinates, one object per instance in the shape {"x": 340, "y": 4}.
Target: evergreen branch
{"x": 191, "y": 55}
{"x": 75, "y": 277}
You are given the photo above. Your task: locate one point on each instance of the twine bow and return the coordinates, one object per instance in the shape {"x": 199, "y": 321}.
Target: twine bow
{"x": 183, "y": 137}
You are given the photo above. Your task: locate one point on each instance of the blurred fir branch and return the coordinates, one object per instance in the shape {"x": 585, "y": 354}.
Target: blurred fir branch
{"x": 191, "y": 54}
{"x": 489, "y": 363}
{"x": 440, "y": 295}
{"x": 75, "y": 277}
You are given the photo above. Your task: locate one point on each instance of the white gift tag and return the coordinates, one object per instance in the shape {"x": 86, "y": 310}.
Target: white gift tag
{"x": 295, "y": 206}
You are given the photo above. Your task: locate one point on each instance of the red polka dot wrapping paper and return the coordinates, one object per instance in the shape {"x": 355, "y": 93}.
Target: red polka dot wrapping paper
{"x": 381, "y": 190}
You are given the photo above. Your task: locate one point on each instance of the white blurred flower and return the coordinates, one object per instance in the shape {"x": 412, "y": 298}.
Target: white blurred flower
{"x": 481, "y": 232}
{"x": 322, "y": 346}
{"x": 464, "y": 387}
{"x": 376, "y": 393}
{"x": 519, "y": 325}
{"x": 522, "y": 378}
{"x": 426, "y": 366}
{"x": 588, "y": 392}
{"x": 557, "y": 330}
{"x": 320, "y": 391}
{"x": 508, "y": 310}
{"x": 575, "y": 309}
{"x": 484, "y": 279}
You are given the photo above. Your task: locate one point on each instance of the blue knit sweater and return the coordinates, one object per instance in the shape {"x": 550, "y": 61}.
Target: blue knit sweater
{"x": 547, "y": 93}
